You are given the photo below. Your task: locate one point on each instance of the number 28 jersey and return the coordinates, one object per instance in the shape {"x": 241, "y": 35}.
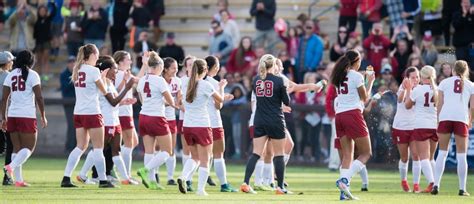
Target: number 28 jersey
{"x": 22, "y": 96}
{"x": 456, "y": 99}
{"x": 425, "y": 109}
{"x": 347, "y": 94}
{"x": 270, "y": 94}
{"x": 87, "y": 93}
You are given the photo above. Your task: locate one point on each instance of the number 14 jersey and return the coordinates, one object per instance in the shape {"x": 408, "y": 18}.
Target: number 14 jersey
{"x": 347, "y": 94}
{"x": 425, "y": 109}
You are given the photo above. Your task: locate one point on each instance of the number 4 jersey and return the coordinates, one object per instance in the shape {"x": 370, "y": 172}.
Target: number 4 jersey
{"x": 347, "y": 94}
{"x": 87, "y": 93}
{"x": 151, "y": 89}
{"x": 425, "y": 109}
{"x": 456, "y": 99}
{"x": 270, "y": 94}
{"x": 22, "y": 96}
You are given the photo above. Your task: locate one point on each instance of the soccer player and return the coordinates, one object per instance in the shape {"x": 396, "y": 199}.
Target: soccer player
{"x": 6, "y": 64}
{"x": 188, "y": 66}
{"x": 352, "y": 93}
{"x": 455, "y": 97}
{"x": 21, "y": 94}
{"x": 402, "y": 132}
{"x": 424, "y": 98}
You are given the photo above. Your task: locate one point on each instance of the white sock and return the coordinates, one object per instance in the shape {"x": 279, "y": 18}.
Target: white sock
{"x": 72, "y": 161}
{"x": 188, "y": 169}
{"x": 185, "y": 158}
{"x": 427, "y": 171}
{"x": 462, "y": 170}
{"x": 355, "y": 168}
{"x": 439, "y": 166}
{"x": 17, "y": 170}
{"x": 118, "y": 161}
{"x": 364, "y": 175}
{"x": 203, "y": 175}
{"x": 159, "y": 159}
{"x": 20, "y": 158}
{"x": 267, "y": 173}
{"x": 344, "y": 173}
{"x": 146, "y": 159}
{"x": 196, "y": 167}
{"x": 286, "y": 158}
{"x": 86, "y": 167}
{"x": 99, "y": 163}
{"x": 433, "y": 165}
{"x": 171, "y": 166}
{"x": 126, "y": 153}
{"x": 416, "y": 170}
{"x": 220, "y": 168}
{"x": 403, "y": 168}
{"x": 258, "y": 173}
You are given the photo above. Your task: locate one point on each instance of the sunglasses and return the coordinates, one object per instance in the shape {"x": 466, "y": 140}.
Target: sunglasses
{"x": 309, "y": 27}
{"x": 342, "y": 31}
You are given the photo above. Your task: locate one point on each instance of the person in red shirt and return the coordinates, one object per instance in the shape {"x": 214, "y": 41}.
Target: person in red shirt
{"x": 369, "y": 14}
{"x": 242, "y": 59}
{"x": 348, "y": 14}
{"x": 377, "y": 46}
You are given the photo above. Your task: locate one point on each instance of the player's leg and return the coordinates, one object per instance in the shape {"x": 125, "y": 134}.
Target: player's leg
{"x": 171, "y": 161}
{"x": 416, "y": 167}
{"x": 130, "y": 141}
{"x": 279, "y": 163}
{"x": 218, "y": 150}
{"x": 97, "y": 140}
{"x": 440, "y": 160}
{"x": 204, "y": 152}
{"x": 462, "y": 143}
{"x": 403, "y": 165}
{"x": 82, "y": 141}
{"x": 423, "y": 148}
{"x": 259, "y": 143}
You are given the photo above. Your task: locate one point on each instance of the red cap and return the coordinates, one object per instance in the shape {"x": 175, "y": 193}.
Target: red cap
{"x": 427, "y": 36}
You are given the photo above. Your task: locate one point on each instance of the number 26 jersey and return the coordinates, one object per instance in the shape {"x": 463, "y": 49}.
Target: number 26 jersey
{"x": 22, "y": 96}
{"x": 347, "y": 94}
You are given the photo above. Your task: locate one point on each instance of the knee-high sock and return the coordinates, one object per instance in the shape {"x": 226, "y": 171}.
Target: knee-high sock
{"x": 203, "y": 175}
{"x": 188, "y": 168}
{"x": 158, "y": 160}
{"x": 126, "y": 153}
{"x": 72, "y": 161}
{"x": 416, "y": 170}
{"x": 439, "y": 166}
{"x": 258, "y": 173}
{"x": 20, "y": 158}
{"x": 190, "y": 176}
{"x": 286, "y": 158}
{"x": 344, "y": 173}
{"x": 403, "y": 168}
{"x": 99, "y": 163}
{"x": 427, "y": 171}
{"x": 268, "y": 171}
{"x": 250, "y": 167}
{"x": 118, "y": 161}
{"x": 185, "y": 158}
{"x": 146, "y": 159}
{"x": 364, "y": 175}
{"x": 86, "y": 167}
{"x": 17, "y": 170}
{"x": 220, "y": 168}
{"x": 355, "y": 168}
{"x": 462, "y": 170}
{"x": 171, "y": 166}
{"x": 433, "y": 165}
{"x": 279, "y": 163}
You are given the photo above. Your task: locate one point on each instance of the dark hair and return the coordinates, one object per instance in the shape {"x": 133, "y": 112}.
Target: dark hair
{"x": 167, "y": 62}
{"x": 199, "y": 66}
{"x": 120, "y": 55}
{"x": 409, "y": 70}
{"x": 24, "y": 60}
{"x": 211, "y": 61}
{"x": 216, "y": 22}
{"x": 240, "y": 55}
{"x": 104, "y": 62}
{"x": 343, "y": 64}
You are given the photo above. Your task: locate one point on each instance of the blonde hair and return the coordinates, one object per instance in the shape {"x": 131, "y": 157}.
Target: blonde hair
{"x": 155, "y": 61}
{"x": 266, "y": 62}
{"x": 83, "y": 55}
{"x": 462, "y": 70}
{"x": 429, "y": 72}
{"x": 199, "y": 66}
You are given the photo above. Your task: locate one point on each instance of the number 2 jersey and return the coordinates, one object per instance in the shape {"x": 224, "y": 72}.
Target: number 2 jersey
{"x": 456, "y": 100}
{"x": 425, "y": 109}
{"x": 347, "y": 94}
{"x": 270, "y": 94}
{"x": 87, "y": 93}
{"x": 22, "y": 97}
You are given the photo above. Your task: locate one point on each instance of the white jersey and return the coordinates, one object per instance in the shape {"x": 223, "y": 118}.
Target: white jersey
{"x": 22, "y": 96}
{"x": 347, "y": 94}
{"x": 175, "y": 88}
{"x": 184, "y": 88}
{"x": 124, "y": 110}
{"x": 109, "y": 112}
{"x": 253, "y": 100}
{"x": 455, "y": 104}
{"x": 151, "y": 89}
{"x": 286, "y": 81}
{"x": 425, "y": 110}
{"x": 214, "y": 113}
{"x": 87, "y": 93}
{"x": 197, "y": 114}
{"x": 404, "y": 118}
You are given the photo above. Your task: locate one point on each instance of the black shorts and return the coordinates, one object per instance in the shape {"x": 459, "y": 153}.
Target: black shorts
{"x": 272, "y": 131}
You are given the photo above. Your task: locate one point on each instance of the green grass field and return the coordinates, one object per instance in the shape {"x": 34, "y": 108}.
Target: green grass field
{"x": 310, "y": 185}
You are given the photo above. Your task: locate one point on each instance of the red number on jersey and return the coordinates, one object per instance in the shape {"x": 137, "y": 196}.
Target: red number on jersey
{"x": 174, "y": 87}
{"x": 146, "y": 89}
{"x": 427, "y": 100}
{"x": 457, "y": 86}
{"x": 344, "y": 88}
{"x": 264, "y": 91}
{"x": 81, "y": 78}
{"x": 18, "y": 84}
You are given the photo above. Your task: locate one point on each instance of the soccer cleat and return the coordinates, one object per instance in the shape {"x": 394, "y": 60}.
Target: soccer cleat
{"x": 113, "y": 180}
{"x": 247, "y": 189}
{"x": 8, "y": 171}
{"x": 171, "y": 182}
{"x": 189, "y": 185}
{"x": 416, "y": 188}
{"x": 106, "y": 184}
{"x": 262, "y": 188}
{"x": 22, "y": 184}
{"x": 66, "y": 183}
{"x": 429, "y": 188}
{"x": 343, "y": 196}
{"x": 463, "y": 193}
{"x": 227, "y": 188}
{"x": 364, "y": 188}
{"x": 92, "y": 181}
{"x": 155, "y": 186}
{"x": 129, "y": 182}
{"x": 280, "y": 191}
{"x": 343, "y": 185}
{"x": 7, "y": 181}
{"x": 285, "y": 184}
{"x": 201, "y": 193}
{"x": 157, "y": 178}
{"x": 210, "y": 181}
{"x": 182, "y": 186}
{"x": 80, "y": 179}
{"x": 143, "y": 173}
{"x": 405, "y": 186}
{"x": 435, "y": 190}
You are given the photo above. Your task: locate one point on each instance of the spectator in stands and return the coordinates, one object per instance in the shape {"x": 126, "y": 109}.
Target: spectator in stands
{"x": 56, "y": 28}
{"x": 243, "y": 59}
{"x": 140, "y": 17}
{"x": 288, "y": 66}
{"x": 310, "y": 52}
{"x": 42, "y": 35}
{"x": 291, "y": 40}
{"x": 402, "y": 49}
{"x": 369, "y": 14}
{"x": 431, "y": 18}
{"x": 94, "y": 25}
{"x": 339, "y": 48}
{"x": 429, "y": 53}
{"x": 221, "y": 44}
{"x": 395, "y": 11}
{"x": 230, "y": 27}
{"x": 143, "y": 45}
{"x": 411, "y": 8}
{"x": 386, "y": 76}
{"x": 118, "y": 29}
{"x": 377, "y": 46}
{"x": 171, "y": 49}
{"x": 22, "y": 23}
{"x": 2, "y": 16}
{"x": 348, "y": 14}
{"x": 68, "y": 92}
{"x": 239, "y": 93}
{"x": 264, "y": 13}
{"x": 72, "y": 30}
{"x": 415, "y": 60}
{"x": 449, "y": 7}
{"x": 463, "y": 38}
{"x": 156, "y": 9}
{"x": 222, "y": 5}
{"x": 445, "y": 71}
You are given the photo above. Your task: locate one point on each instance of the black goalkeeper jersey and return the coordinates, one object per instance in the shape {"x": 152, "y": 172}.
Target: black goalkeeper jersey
{"x": 271, "y": 93}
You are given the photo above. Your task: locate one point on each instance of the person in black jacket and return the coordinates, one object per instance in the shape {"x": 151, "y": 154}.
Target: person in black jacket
{"x": 171, "y": 49}
{"x": 157, "y": 9}
{"x": 449, "y": 7}
{"x": 463, "y": 39}
{"x": 118, "y": 29}
{"x": 42, "y": 34}
{"x": 143, "y": 45}
{"x": 264, "y": 13}
{"x": 94, "y": 25}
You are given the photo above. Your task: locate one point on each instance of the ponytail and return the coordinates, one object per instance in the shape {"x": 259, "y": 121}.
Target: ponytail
{"x": 199, "y": 66}
{"x": 83, "y": 55}
{"x": 462, "y": 70}
{"x": 266, "y": 62}
{"x": 25, "y": 61}
{"x": 428, "y": 72}
{"x": 342, "y": 66}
